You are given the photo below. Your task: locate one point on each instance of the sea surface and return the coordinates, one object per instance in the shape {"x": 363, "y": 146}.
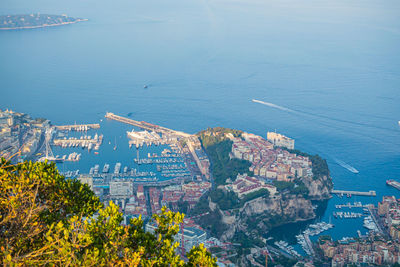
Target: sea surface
{"x": 330, "y": 69}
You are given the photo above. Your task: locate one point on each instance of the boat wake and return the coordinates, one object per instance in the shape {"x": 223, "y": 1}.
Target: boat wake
{"x": 346, "y": 166}
{"x": 273, "y": 105}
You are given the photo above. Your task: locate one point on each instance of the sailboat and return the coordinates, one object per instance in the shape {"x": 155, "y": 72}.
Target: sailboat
{"x": 115, "y": 146}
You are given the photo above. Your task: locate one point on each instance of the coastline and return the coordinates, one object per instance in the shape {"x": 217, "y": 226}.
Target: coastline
{"x": 44, "y": 26}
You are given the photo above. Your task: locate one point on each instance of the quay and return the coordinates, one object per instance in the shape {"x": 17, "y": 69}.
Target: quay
{"x": 145, "y": 125}
{"x": 370, "y": 193}
{"x": 309, "y": 244}
{"x": 373, "y": 213}
{"x": 78, "y": 127}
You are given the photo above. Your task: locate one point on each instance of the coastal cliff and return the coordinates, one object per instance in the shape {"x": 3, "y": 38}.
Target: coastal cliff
{"x": 246, "y": 219}
{"x": 260, "y": 215}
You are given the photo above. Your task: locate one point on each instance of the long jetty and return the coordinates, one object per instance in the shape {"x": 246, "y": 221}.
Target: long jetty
{"x": 78, "y": 127}
{"x": 370, "y": 193}
{"x": 145, "y": 125}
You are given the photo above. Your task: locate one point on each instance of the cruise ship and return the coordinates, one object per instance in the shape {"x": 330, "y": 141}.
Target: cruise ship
{"x": 393, "y": 183}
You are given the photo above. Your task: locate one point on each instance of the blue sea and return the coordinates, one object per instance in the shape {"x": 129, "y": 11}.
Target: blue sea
{"x": 331, "y": 69}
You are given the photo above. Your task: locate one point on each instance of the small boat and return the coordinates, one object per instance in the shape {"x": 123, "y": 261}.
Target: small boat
{"x": 145, "y": 86}
{"x": 96, "y": 153}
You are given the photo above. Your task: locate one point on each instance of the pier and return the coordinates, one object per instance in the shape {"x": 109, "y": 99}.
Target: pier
{"x": 354, "y": 205}
{"x": 84, "y": 141}
{"x": 145, "y": 125}
{"x": 370, "y": 193}
{"x": 78, "y": 127}
{"x": 309, "y": 244}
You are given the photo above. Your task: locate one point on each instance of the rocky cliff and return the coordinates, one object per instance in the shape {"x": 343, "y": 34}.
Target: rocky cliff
{"x": 262, "y": 214}
{"x": 319, "y": 188}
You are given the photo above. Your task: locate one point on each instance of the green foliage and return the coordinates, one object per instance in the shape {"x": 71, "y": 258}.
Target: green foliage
{"x": 226, "y": 200}
{"x": 47, "y": 220}
{"x": 218, "y": 147}
{"x": 296, "y": 187}
{"x": 212, "y": 222}
{"x": 282, "y": 186}
{"x": 199, "y": 256}
{"x": 223, "y": 167}
{"x": 212, "y": 136}
{"x": 33, "y": 196}
{"x": 201, "y": 206}
{"x": 245, "y": 242}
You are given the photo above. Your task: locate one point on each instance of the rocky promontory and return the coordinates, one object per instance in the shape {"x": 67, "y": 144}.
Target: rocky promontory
{"x": 32, "y": 21}
{"x": 232, "y": 214}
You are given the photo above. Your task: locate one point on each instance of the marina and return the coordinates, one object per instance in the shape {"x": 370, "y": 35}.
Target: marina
{"x": 283, "y": 245}
{"x": 351, "y": 205}
{"x": 370, "y": 224}
{"x": 78, "y": 127}
{"x": 83, "y": 142}
{"x": 347, "y": 215}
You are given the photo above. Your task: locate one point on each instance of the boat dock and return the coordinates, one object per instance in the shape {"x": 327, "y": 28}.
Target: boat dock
{"x": 370, "y": 193}
{"x": 347, "y": 215}
{"x": 84, "y": 141}
{"x": 78, "y": 127}
{"x": 349, "y": 205}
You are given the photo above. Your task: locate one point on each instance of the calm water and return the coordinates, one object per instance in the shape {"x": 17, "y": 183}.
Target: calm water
{"x": 335, "y": 64}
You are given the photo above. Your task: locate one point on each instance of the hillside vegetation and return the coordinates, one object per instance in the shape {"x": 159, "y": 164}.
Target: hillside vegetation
{"x": 218, "y": 147}
{"x": 48, "y": 220}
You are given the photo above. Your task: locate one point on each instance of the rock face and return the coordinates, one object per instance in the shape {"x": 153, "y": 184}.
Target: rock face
{"x": 262, "y": 214}
{"x": 319, "y": 189}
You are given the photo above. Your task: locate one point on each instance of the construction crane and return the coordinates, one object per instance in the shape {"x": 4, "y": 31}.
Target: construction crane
{"x": 267, "y": 254}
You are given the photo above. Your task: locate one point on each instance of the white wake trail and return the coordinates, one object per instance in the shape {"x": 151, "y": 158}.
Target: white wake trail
{"x": 346, "y": 166}
{"x": 273, "y": 105}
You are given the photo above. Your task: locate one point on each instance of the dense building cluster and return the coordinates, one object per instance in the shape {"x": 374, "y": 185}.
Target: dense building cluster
{"x": 389, "y": 211}
{"x": 268, "y": 161}
{"x": 20, "y": 133}
{"x": 244, "y": 185}
{"x": 371, "y": 250}
{"x": 379, "y": 247}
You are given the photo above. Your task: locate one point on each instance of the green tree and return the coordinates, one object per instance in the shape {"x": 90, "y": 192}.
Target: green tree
{"x": 47, "y": 220}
